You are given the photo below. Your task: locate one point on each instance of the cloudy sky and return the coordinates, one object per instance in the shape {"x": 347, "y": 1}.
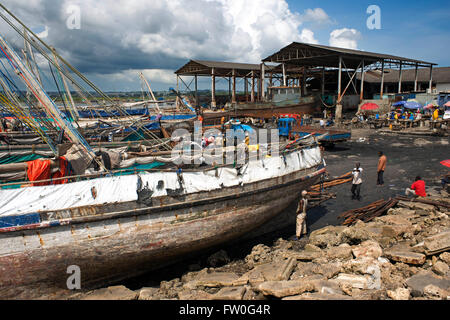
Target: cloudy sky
{"x": 118, "y": 38}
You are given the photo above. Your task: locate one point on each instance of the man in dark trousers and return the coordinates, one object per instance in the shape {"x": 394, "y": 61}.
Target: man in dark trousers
{"x": 357, "y": 181}
{"x": 381, "y": 168}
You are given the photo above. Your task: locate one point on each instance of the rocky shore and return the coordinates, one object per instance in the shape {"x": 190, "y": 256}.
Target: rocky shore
{"x": 402, "y": 255}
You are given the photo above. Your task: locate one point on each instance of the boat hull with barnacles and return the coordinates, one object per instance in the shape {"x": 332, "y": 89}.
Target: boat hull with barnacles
{"x": 114, "y": 240}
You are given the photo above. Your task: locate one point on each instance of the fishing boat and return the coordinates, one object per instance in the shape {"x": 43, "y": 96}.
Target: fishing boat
{"x": 116, "y": 227}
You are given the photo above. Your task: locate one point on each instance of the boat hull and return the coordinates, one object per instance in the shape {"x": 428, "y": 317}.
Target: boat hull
{"x": 110, "y": 248}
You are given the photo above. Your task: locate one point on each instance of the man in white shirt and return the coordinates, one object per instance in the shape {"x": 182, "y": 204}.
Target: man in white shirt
{"x": 357, "y": 181}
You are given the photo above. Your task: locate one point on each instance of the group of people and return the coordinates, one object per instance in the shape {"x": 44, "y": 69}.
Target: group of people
{"x": 417, "y": 189}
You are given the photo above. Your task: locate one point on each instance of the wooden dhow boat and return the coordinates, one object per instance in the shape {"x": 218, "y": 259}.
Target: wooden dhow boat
{"x": 120, "y": 226}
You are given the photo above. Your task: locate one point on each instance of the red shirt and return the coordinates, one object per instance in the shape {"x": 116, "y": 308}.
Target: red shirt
{"x": 419, "y": 187}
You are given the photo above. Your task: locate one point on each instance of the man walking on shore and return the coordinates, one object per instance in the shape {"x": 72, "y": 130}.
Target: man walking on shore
{"x": 357, "y": 181}
{"x": 381, "y": 168}
{"x": 301, "y": 216}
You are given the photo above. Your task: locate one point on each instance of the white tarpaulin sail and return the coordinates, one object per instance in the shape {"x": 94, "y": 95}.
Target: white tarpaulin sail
{"x": 125, "y": 188}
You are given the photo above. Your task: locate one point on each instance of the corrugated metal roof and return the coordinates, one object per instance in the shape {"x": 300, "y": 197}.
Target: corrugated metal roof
{"x": 204, "y": 68}
{"x": 319, "y": 55}
{"x": 440, "y": 75}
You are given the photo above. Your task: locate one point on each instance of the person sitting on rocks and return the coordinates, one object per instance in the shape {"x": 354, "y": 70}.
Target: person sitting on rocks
{"x": 417, "y": 188}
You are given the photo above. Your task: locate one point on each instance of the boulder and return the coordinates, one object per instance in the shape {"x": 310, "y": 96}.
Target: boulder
{"x": 230, "y": 293}
{"x": 355, "y": 235}
{"x": 149, "y": 293}
{"x": 368, "y": 248}
{"x": 445, "y": 257}
{"x": 328, "y": 270}
{"x": 440, "y": 268}
{"x": 341, "y": 252}
{"x": 406, "y": 257}
{"x": 260, "y": 254}
{"x": 326, "y": 237}
{"x": 213, "y": 279}
{"x": 318, "y": 296}
{"x": 111, "y": 293}
{"x": 194, "y": 295}
{"x": 303, "y": 255}
{"x": 218, "y": 259}
{"x": 419, "y": 281}
{"x": 355, "y": 281}
{"x": 437, "y": 243}
{"x": 274, "y": 271}
{"x": 282, "y": 289}
{"x": 435, "y": 293}
{"x": 399, "y": 294}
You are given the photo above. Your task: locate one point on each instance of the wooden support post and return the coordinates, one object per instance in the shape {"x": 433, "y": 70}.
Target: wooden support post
{"x": 338, "y": 114}
{"x": 361, "y": 97}
{"x": 253, "y": 87}
{"x": 415, "y": 77}
{"x": 382, "y": 80}
{"x": 246, "y": 88}
{"x": 177, "y": 103}
{"x": 233, "y": 94}
{"x": 323, "y": 81}
{"x": 263, "y": 76}
{"x": 196, "y": 91}
{"x": 213, "y": 88}
{"x": 304, "y": 82}
{"x": 431, "y": 78}
{"x": 229, "y": 88}
{"x": 284, "y": 75}
{"x": 340, "y": 79}
{"x": 400, "y": 78}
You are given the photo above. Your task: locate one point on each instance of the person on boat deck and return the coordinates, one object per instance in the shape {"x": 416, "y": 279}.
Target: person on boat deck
{"x": 357, "y": 181}
{"x": 301, "y": 216}
{"x": 417, "y": 188}
{"x": 381, "y": 168}
{"x": 377, "y": 116}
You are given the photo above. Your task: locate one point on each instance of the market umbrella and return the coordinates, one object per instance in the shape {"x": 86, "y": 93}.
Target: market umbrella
{"x": 446, "y": 163}
{"x": 369, "y": 106}
{"x": 430, "y": 106}
{"x": 412, "y": 105}
{"x": 447, "y": 104}
{"x": 400, "y": 103}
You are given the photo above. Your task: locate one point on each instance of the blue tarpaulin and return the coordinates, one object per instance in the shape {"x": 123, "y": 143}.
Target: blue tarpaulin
{"x": 408, "y": 104}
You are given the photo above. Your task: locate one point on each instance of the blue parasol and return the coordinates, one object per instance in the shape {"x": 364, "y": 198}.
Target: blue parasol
{"x": 400, "y": 103}
{"x": 412, "y": 105}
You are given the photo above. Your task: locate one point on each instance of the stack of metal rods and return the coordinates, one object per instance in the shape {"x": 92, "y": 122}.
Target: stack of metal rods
{"x": 368, "y": 213}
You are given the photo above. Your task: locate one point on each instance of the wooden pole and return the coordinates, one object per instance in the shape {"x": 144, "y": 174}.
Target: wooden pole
{"x": 213, "y": 88}
{"x": 338, "y": 114}
{"x": 284, "y": 75}
{"x": 431, "y": 78}
{"x": 340, "y": 79}
{"x": 400, "y": 78}
{"x": 415, "y": 78}
{"x": 177, "y": 103}
{"x": 323, "y": 81}
{"x": 303, "y": 82}
{"x": 196, "y": 91}
{"x": 382, "y": 80}
{"x": 263, "y": 76}
{"x": 233, "y": 96}
{"x": 361, "y": 97}
{"x": 246, "y": 88}
{"x": 253, "y": 87}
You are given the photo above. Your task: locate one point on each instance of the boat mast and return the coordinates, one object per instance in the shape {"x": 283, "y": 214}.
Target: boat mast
{"x": 141, "y": 75}
{"x": 72, "y": 108}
